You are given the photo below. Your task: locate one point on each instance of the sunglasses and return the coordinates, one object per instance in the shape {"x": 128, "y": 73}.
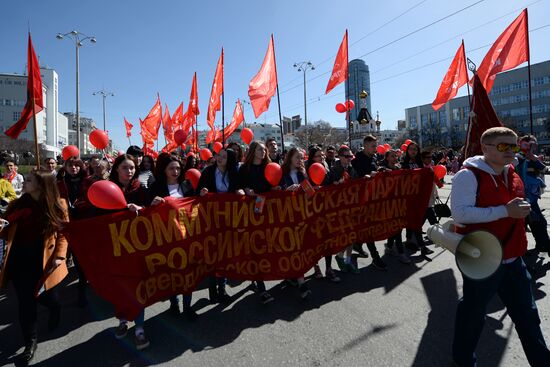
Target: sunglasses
{"x": 503, "y": 147}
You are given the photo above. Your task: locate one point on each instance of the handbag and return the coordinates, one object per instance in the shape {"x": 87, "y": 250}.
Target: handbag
{"x": 441, "y": 208}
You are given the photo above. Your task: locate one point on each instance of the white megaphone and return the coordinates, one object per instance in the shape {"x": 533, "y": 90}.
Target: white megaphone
{"x": 478, "y": 254}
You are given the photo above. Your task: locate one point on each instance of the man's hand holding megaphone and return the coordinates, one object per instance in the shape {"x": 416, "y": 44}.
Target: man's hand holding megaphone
{"x": 518, "y": 208}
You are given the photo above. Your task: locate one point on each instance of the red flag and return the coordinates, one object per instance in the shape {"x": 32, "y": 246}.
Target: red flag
{"x": 340, "y": 69}
{"x": 482, "y": 117}
{"x": 129, "y": 127}
{"x": 177, "y": 117}
{"x": 216, "y": 93}
{"x": 509, "y": 50}
{"x": 168, "y": 127}
{"x": 456, "y": 77}
{"x": 238, "y": 118}
{"x": 34, "y": 93}
{"x": 264, "y": 84}
{"x": 151, "y": 124}
{"x": 194, "y": 99}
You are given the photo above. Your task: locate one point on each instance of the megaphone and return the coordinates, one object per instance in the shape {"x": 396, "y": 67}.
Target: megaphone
{"x": 478, "y": 254}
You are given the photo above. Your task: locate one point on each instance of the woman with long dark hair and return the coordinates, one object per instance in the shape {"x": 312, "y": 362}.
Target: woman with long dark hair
{"x": 294, "y": 173}
{"x": 316, "y": 155}
{"x": 125, "y": 174}
{"x": 221, "y": 177}
{"x": 252, "y": 180}
{"x": 170, "y": 182}
{"x": 35, "y": 253}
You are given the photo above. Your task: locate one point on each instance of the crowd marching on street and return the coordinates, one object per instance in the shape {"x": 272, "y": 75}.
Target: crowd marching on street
{"x": 47, "y": 198}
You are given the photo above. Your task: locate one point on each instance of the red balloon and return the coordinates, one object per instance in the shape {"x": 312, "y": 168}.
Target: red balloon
{"x": 217, "y": 147}
{"x": 99, "y": 139}
{"x": 206, "y": 154}
{"x": 180, "y": 137}
{"x": 317, "y": 173}
{"x": 404, "y": 147}
{"x": 381, "y": 149}
{"x": 440, "y": 171}
{"x": 190, "y": 154}
{"x": 273, "y": 173}
{"x": 350, "y": 104}
{"x": 387, "y": 146}
{"x": 247, "y": 135}
{"x": 340, "y": 107}
{"x": 70, "y": 151}
{"x": 106, "y": 194}
{"x": 193, "y": 175}
{"x": 408, "y": 141}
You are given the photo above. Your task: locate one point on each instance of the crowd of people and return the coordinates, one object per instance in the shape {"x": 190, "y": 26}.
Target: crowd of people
{"x": 40, "y": 259}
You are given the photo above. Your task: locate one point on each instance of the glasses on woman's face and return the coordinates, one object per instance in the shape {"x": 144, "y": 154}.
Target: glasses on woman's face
{"x": 504, "y": 147}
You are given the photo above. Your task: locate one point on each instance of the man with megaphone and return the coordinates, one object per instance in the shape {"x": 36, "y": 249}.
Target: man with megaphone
{"x": 488, "y": 196}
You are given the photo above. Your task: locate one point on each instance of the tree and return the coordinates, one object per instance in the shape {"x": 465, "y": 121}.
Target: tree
{"x": 320, "y": 133}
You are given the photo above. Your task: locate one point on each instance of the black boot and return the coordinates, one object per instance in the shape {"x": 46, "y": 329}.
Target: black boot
{"x": 28, "y": 353}
{"x": 213, "y": 294}
{"x": 223, "y": 297}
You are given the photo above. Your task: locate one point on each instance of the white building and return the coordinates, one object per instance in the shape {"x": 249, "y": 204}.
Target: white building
{"x": 388, "y": 136}
{"x": 51, "y": 125}
{"x": 87, "y": 125}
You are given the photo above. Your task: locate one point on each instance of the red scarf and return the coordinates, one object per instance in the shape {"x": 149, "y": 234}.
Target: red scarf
{"x": 10, "y": 176}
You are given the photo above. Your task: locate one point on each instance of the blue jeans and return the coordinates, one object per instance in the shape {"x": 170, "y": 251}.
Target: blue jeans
{"x": 512, "y": 282}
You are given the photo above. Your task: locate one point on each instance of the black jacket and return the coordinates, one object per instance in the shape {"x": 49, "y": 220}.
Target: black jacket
{"x": 208, "y": 180}
{"x": 337, "y": 172}
{"x": 253, "y": 178}
{"x": 286, "y": 181}
{"x": 364, "y": 164}
{"x": 161, "y": 190}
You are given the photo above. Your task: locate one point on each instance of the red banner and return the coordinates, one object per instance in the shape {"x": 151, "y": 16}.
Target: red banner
{"x": 134, "y": 261}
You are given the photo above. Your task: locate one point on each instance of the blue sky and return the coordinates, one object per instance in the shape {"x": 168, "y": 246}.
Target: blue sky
{"x": 145, "y": 47}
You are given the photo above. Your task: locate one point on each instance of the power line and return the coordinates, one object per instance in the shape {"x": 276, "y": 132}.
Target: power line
{"x": 398, "y": 39}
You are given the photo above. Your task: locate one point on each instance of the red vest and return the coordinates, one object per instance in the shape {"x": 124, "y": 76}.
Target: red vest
{"x": 510, "y": 231}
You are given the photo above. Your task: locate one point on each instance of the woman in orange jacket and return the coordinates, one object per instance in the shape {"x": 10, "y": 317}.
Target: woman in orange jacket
{"x": 35, "y": 259}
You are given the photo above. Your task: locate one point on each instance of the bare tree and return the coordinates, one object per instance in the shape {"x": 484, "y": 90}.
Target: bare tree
{"x": 321, "y": 133}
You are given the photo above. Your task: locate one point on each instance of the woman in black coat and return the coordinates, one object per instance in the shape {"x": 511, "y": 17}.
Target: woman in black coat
{"x": 221, "y": 177}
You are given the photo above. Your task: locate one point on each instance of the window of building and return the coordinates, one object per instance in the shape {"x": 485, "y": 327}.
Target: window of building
{"x": 519, "y": 111}
{"x": 442, "y": 117}
{"x": 424, "y": 119}
{"x": 7, "y": 102}
{"x": 1, "y": 115}
{"x": 16, "y": 116}
{"x": 538, "y": 81}
{"x": 541, "y": 108}
{"x": 456, "y": 114}
{"x": 433, "y": 117}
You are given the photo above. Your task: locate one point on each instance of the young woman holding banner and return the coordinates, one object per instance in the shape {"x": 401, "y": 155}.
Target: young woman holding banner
{"x": 413, "y": 160}
{"x": 294, "y": 173}
{"x": 252, "y": 180}
{"x": 35, "y": 259}
{"x": 125, "y": 173}
{"x": 222, "y": 177}
{"x": 170, "y": 182}
{"x": 316, "y": 155}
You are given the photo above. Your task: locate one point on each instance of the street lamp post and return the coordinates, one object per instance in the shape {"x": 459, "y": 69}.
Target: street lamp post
{"x": 103, "y": 93}
{"x": 79, "y": 39}
{"x": 304, "y": 66}
{"x": 244, "y": 101}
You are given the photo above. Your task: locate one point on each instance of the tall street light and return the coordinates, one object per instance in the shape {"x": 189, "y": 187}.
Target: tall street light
{"x": 245, "y": 102}
{"x": 79, "y": 39}
{"x": 103, "y": 93}
{"x": 304, "y": 66}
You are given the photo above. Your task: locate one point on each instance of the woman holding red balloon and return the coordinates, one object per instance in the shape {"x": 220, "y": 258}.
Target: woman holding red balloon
{"x": 221, "y": 177}
{"x": 125, "y": 174}
{"x": 320, "y": 178}
{"x": 294, "y": 173}
{"x": 170, "y": 182}
{"x": 253, "y": 180}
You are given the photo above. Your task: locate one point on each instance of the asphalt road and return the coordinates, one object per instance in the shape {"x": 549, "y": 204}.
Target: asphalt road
{"x": 402, "y": 317}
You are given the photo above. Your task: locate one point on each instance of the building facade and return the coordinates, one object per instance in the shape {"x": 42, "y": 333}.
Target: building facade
{"x": 358, "y": 81}
{"x": 510, "y": 97}
{"x": 87, "y": 125}
{"x": 52, "y": 126}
